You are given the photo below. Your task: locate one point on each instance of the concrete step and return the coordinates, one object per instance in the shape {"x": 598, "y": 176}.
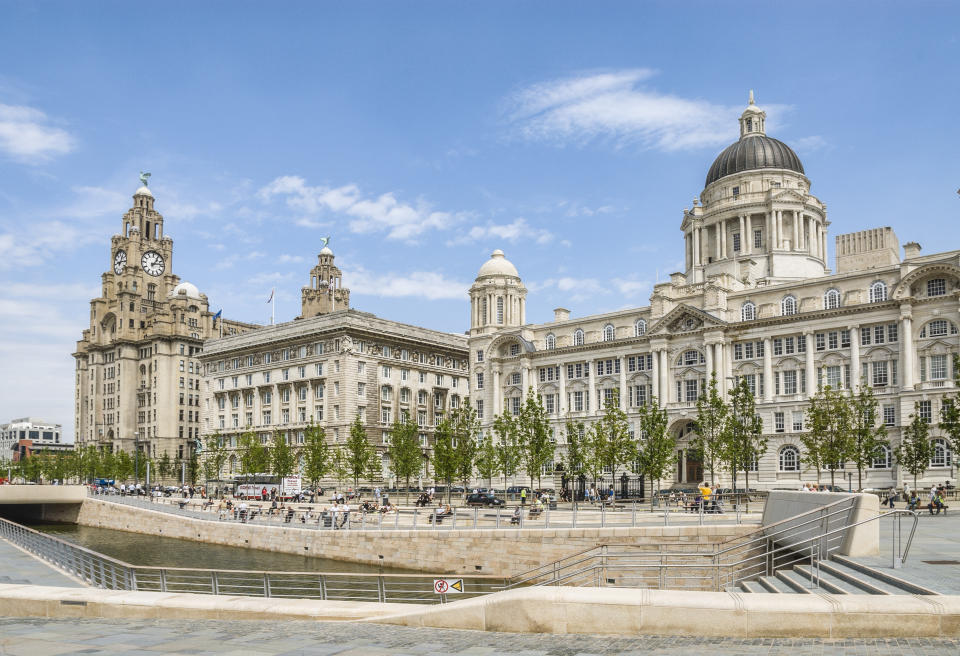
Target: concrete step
{"x": 862, "y": 582}
{"x": 878, "y": 578}
{"x": 796, "y": 582}
{"x": 827, "y": 581}
{"x": 752, "y": 586}
{"x": 774, "y": 585}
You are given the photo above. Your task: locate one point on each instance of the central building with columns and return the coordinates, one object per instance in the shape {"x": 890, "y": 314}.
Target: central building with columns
{"x": 756, "y": 302}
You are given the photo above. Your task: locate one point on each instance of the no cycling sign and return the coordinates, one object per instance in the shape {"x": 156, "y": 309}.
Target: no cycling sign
{"x": 448, "y": 586}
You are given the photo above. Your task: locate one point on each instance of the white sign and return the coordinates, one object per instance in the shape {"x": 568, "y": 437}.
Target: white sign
{"x": 448, "y": 586}
{"x": 292, "y": 485}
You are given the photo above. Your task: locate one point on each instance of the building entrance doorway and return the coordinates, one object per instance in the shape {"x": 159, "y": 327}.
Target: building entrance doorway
{"x": 689, "y": 466}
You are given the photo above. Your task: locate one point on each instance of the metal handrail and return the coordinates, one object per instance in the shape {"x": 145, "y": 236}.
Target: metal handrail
{"x": 102, "y": 571}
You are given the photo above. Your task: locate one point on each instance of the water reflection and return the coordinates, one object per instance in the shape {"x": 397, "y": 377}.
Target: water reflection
{"x": 141, "y": 549}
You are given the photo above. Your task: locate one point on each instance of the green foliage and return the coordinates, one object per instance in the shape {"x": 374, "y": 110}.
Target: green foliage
{"x": 656, "y": 447}
{"x": 283, "y": 460}
{"x": 317, "y": 455}
{"x": 508, "y": 446}
{"x": 254, "y": 456}
{"x": 338, "y": 466}
{"x": 576, "y": 448}
{"x": 867, "y": 431}
{"x": 828, "y": 441}
{"x": 444, "y": 456}
{"x": 122, "y": 466}
{"x": 164, "y": 466}
{"x": 915, "y": 449}
{"x": 743, "y": 441}
{"x": 950, "y": 410}
{"x": 487, "y": 460}
{"x": 466, "y": 428}
{"x": 215, "y": 455}
{"x": 712, "y": 414}
{"x": 359, "y": 452}
{"x": 406, "y": 459}
{"x": 612, "y": 438}
{"x": 533, "y": 432}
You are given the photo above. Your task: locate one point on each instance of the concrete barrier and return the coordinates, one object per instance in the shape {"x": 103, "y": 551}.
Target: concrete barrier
{"x": 614, "y": 611}
{"x": 858, "y": 541}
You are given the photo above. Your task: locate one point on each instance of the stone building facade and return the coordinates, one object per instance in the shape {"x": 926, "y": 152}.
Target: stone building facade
{"x": 756, "y": 302}
{"x": 331, "y": 365}
{"x": 137, "y": 382}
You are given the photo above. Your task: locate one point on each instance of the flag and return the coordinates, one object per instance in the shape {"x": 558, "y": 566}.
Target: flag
{"x": 271, "y": 296}
{"x": 217, "y": 316}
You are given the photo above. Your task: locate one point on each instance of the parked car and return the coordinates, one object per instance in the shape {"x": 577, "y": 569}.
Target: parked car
{"x": 486, "y": 499}
{"x": 515, "y": 489}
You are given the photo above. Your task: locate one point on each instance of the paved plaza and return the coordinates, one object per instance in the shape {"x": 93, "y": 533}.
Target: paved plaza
{"x": 17, "y": 566}
{"x": 43, "y": 637}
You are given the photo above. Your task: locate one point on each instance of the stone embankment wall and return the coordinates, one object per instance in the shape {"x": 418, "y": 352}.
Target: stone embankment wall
{"x": 501, "y": 552}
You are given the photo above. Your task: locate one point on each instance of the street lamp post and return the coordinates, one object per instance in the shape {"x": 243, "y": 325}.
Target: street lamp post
{"x": 136, "y": 457}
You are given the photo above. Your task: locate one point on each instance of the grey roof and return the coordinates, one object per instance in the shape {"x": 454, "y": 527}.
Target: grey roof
{"x": 754, "y": 151}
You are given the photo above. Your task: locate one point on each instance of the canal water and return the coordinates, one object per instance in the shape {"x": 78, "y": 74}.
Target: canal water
{"x": 152, "y": 550}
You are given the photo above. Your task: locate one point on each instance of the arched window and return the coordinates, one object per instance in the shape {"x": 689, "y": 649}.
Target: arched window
{"x": 608, "y": 333}
{"x": 499, "y": 309}
{"x": 789, "y": 459}
{"x": 831, "y": 300}
{"x": 748, "y": 312}
{"x": 878, "y": 292}
{"x": 788, "y": 305}
{"x": 578, "y": 337}
{"x": 550, "y": 342}
{"x": 640, "y": 328}
{"x": 690, "y": 357}
{"x": 938, "y": 328}
{"x": 942, "y": 456}
{"x": 882, "y": 458}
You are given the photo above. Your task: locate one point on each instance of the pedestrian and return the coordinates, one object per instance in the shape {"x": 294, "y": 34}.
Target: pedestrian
{"x": 523, "y": 496}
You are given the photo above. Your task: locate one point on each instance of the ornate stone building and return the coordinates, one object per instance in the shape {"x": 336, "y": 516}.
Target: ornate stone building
{"x": 331, "y": 365}
{"x": 756, "y": 302}
{"x": 137, "y": 368}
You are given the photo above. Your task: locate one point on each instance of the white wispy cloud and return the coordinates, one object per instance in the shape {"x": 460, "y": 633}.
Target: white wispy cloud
{"x": 809, "y": 144}
{"x": 615, "y": 106}
{"x": 26, "y": 135}
{"x": 581, "y": 289}
{"x": 366, "y": 214}
{"x": 418, "y": 284}
{"x": 516, "y": 230}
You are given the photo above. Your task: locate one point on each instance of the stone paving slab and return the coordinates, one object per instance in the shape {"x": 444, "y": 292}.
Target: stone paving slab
{"x": 17, "y": 566}
{"x": 937, "y": 538}
{"x": 42, "y": 637}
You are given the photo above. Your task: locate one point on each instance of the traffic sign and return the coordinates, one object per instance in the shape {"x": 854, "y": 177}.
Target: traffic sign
{"x": 448, "y": 586}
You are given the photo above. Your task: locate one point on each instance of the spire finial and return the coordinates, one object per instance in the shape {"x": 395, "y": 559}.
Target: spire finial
{"x": 751, "y": 96}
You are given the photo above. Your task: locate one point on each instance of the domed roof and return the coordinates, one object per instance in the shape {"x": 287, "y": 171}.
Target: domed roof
{"x": 326, "y": 251}
{"x": 143, "y": 191}
{"x": 498, "y": 265}
{"x": 187, "y": 289}
{"x": 752, "y": 152}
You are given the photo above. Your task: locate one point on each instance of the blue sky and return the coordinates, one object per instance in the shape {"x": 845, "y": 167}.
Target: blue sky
{"x": 422, "y": 135}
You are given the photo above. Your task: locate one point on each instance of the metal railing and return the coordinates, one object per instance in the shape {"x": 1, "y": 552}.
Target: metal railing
{"x": 803, "y": 539}
{"x": 722, "y": 510}
{"x": 101, "y": 571}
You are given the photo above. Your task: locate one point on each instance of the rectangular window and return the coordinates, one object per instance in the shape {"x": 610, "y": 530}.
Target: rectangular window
{"x": 801, "y": 344}
{"x": 938, "y": 367}
{"x": 778, "y": 422}
{"x": 797, "y": 420}
{"x": 748, "y": 350}
{"x": 736, "y": 242}
{"x": 892, "y": 332}
{"x": 925, "y": 411}
{"x": 738, "y": 351}
{"x": 833, "y": 376}
{"x": 788, "y": 345}
{"x": 479, "y": 355}
{"x": 480, "y": 381}
{"x": 479, "y": 405}
{"x": 777, "y": 346}
{"x": 821, "y": 341}
{"x": 878, "y": 334}
{"x": 865, "y": 337}
{"x": 691, "y": 390}
{"x": 515, "y": 405}
{"x": 880, "y": 374}
{"x": 889, "y": 415}
{"x": 361, "y": 390}
{"x": 832, "y": 339}
{"x": 790, "y": 382}
{"x": 577, "y": 402}
{"x": 515, "y": 379}
{"x": 844, "y": 339}
{"x": 936, "y": 287}
{"x": 386, "y": 371}
{"x": 757, "y": 239}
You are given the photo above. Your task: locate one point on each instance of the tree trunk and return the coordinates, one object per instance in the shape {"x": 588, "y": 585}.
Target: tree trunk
{"x": 859, "y": 478}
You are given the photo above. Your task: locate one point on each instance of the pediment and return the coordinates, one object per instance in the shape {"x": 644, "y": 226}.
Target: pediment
{"x": 685, "y": 319}
{"x": 789, "y": 196}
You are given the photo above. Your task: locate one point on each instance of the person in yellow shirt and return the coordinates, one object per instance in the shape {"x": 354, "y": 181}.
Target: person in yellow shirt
{"x": 705, "y": 493}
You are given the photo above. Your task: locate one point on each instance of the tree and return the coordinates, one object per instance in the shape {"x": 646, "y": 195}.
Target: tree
{"x": 316, "y": 454}
{"x": 339, "y": 466}
{"x": 915, "y": 449}
{"x": 533, "y": 431}
{"x": 122, "y": 466}
{"x": 254, "y": 455}
{"x": 828, "y": 441}
{"x": 656, "y": 447}
{"x": 466, "y": 428}
{"x": 576, "y": 454}
{"x": 867, "y": 431}
{"x": 444, "y": 456}
{"x": 193, "y": 467}
{"x": 508, "y": 447}
{"x": 359, "y": 450}
{"x": 615, "y": 447}
{"x": 216, "y": 456}
{"x": 164, "y": 466}
{"x": 744, "y": 442}
{"x": 405, "y": 455}
{"x": 486, "y": 459}
{"x": 711, "y": 423}
{"x": 282, "y": 458}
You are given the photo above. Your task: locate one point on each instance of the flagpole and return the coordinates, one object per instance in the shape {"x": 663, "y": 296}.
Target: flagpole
{"x": 273, "y": 305}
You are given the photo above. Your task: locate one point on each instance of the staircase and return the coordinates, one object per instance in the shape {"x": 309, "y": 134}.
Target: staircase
{"x": 836, "y": 575}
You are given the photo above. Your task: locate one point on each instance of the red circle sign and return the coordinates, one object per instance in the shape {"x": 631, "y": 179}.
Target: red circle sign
{"x": 440, "y": 586}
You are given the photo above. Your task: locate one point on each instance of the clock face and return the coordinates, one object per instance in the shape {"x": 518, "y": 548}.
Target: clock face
{"x": 119, "y": 262}
{"x": 152, "y": 263}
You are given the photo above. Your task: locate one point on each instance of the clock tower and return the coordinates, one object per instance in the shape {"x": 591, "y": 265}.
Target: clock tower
{"x": 137, "y": 369}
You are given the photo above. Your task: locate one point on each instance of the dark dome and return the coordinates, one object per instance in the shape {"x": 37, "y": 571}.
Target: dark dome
{"x": 755, "y": 151}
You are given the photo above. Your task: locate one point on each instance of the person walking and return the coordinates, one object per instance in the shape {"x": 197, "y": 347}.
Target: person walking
{"x": 523, "y": 496}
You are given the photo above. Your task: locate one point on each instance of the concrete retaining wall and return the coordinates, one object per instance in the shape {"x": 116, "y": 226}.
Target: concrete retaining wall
{"x": 859, "y": 541}
{"x": 502, "y": 552}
